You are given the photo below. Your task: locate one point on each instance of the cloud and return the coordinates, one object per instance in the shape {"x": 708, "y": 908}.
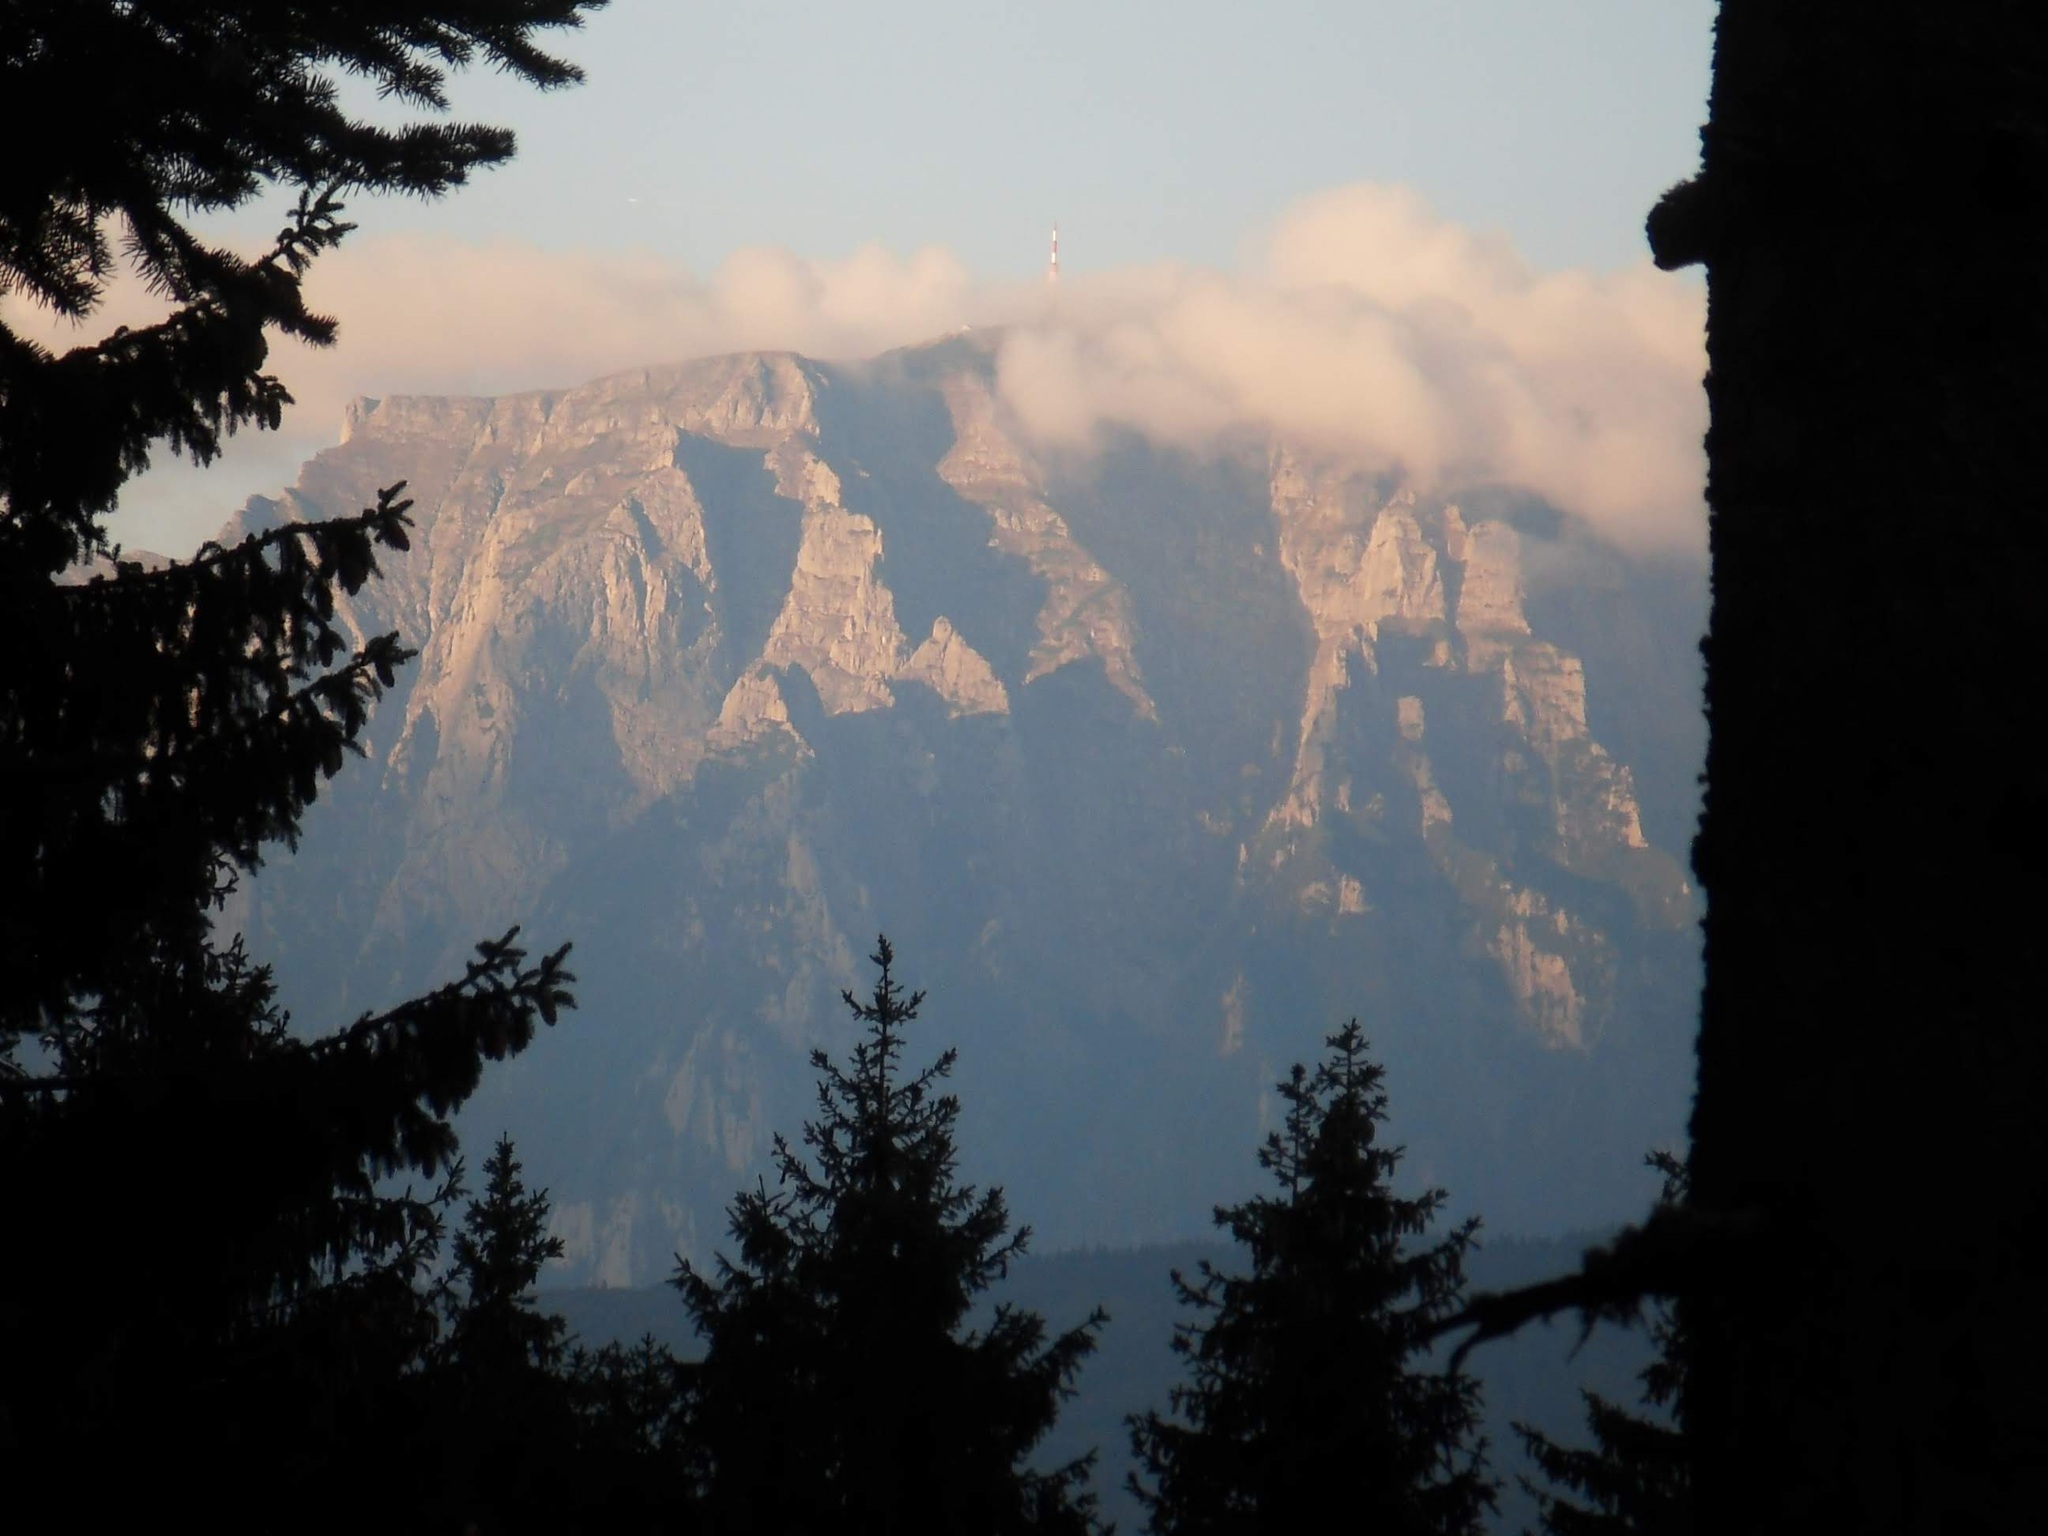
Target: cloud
{"x": 1370, "y": 327}
{"x": 431, "y": 315}
{"x": 1365, "y": 325}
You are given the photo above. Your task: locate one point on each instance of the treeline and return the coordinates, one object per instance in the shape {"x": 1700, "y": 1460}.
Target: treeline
{"x": 845, "y": 1381}
{"x": 1537, "y": 1378}
{"x": 852, "y": 1375}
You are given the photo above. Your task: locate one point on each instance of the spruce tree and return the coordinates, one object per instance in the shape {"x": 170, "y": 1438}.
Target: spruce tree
{"x": 532, "y": 1432}
{"x": 843, "y": 1388}
{"x": 226, "y": 1296}
{"x": 496, "y": 1334}
{"x": 636, "y": 1466}
{"x": 1636, "y": 1477}
{"x": 1307, "y": 1394}
{"x": 504, "y": 1396}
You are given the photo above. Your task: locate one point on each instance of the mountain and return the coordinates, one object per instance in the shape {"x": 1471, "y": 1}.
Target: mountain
{"x": 1156, "y": 767}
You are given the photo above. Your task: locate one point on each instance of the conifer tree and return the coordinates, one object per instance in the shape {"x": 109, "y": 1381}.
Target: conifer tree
{"x": 1636, "y": 1477}
{"x": 1306, "y": 1394}
{"x": 225, "y": 1296}
{"x": 496, "y": 1333}
{"x": 636, "y": 1466}
{"x": 534, "y": 1434}
{"x": 504, "y": 1395}
{"x": 843, "y": 1388}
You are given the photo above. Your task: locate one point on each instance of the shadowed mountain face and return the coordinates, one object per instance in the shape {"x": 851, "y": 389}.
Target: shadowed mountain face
{"x": 1154, "y": 768}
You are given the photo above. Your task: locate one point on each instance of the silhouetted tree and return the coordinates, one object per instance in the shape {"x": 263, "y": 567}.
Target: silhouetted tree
{"x": 842, "y": 1388}
{"x": 226, "y": 1296}
{"x": 533, "y": 1434}
{"x": 505, "y": 1400}
{"x": 496, "y": 1333}
{"x": 1307, "y": 1397}
{"x": 1869, "y": 214}
{"x": 1872, "y": 214}
{"x": 1636, "y": 1477}
{"x": 636, "y": 1461}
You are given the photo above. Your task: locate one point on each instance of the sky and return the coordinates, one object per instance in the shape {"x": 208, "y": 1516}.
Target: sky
{"x": 1434, "y": 206}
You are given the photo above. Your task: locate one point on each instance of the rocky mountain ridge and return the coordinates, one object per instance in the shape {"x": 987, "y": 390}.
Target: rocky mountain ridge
{"x": 1156, "y": 768}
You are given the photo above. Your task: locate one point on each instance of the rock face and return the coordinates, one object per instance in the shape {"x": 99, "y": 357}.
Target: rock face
{"x": 1155, "y": 769}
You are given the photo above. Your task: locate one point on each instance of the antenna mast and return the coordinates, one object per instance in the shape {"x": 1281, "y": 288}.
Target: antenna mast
{"x": 1052, "y": 269}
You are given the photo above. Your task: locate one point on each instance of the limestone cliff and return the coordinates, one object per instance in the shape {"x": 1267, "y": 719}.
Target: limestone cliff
{"x": 1085, "y": 613}
{"x": 1368, "y": 568}
{"x": 726, "y": 666}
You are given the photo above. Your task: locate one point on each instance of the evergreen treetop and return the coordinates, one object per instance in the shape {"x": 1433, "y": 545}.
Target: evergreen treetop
{"x": 1306, "y": 1389}
{"x": 499, "y": 1252}
{"x": 843, "y": 1387}
{"x": 531, "y": 1433}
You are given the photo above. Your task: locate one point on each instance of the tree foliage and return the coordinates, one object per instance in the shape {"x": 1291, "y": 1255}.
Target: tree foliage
{"x": 843, "y": 1387}
{"x": 198, "y": 109}
{"x": 1636, "y": 1477}
{"x": 634, "y": 1439}
{"x": 530, "y": 1432}
{"x": 219, "y": 1269}
{"x": 1306, "y": 1390}
{"x": 496, "y": 1334}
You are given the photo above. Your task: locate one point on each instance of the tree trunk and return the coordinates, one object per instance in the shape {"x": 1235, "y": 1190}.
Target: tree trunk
{"x": 1871, "y": 215}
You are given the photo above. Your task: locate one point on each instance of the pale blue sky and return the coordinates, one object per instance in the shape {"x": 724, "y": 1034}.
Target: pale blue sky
{"x": 1151, "y": 130}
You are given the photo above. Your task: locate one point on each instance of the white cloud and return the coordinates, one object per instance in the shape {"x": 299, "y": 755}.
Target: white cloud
{"x": 1372, "y": 328}
{"x": 1365, "y": 326}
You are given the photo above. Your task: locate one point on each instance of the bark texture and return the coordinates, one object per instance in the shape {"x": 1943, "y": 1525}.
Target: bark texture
{"x": 1870, "y": 214}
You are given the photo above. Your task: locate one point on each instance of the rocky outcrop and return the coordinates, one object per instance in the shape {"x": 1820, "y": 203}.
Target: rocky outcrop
{"x": 956, "y": 672}
{"x": 1403, "y": 595}
{"x": 1086, "y": 613}
{"x": 1354, "y": 573}
{"x": 839, "y": 621}
{"x": 755, "y": 708}
{"x": 726, "y": 666}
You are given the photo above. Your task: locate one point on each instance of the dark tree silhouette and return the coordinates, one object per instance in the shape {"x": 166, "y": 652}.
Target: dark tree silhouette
{"x": 1859, "y": 1294}
{"x": 504, "y": 1398}
{"x": 496, "y": 1335}
{"x": 534, "y": 1435}
{"x": 1636, "y": 1477}
{"x": 636, "y": 1462}
{"x": 1307, "y": 1394}
{"x": 842, "y": 1387}
{"x": 225, "y": 1295}
{"x": 1870, "y": 213}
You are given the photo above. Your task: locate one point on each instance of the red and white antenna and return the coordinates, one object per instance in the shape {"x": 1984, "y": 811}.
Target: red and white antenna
{"x": 1052, "y": 269}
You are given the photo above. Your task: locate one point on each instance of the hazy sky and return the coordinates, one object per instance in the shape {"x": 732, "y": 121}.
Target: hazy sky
{"x": 823, "y": 175}
{"x": 1151, "y": 129}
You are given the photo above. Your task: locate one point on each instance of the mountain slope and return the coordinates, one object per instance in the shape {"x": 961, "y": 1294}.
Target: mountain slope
{"x": 1154, "y": 767}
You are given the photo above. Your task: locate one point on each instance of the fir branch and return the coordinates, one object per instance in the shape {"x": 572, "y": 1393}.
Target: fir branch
{"x": 1677, "y": 1250}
